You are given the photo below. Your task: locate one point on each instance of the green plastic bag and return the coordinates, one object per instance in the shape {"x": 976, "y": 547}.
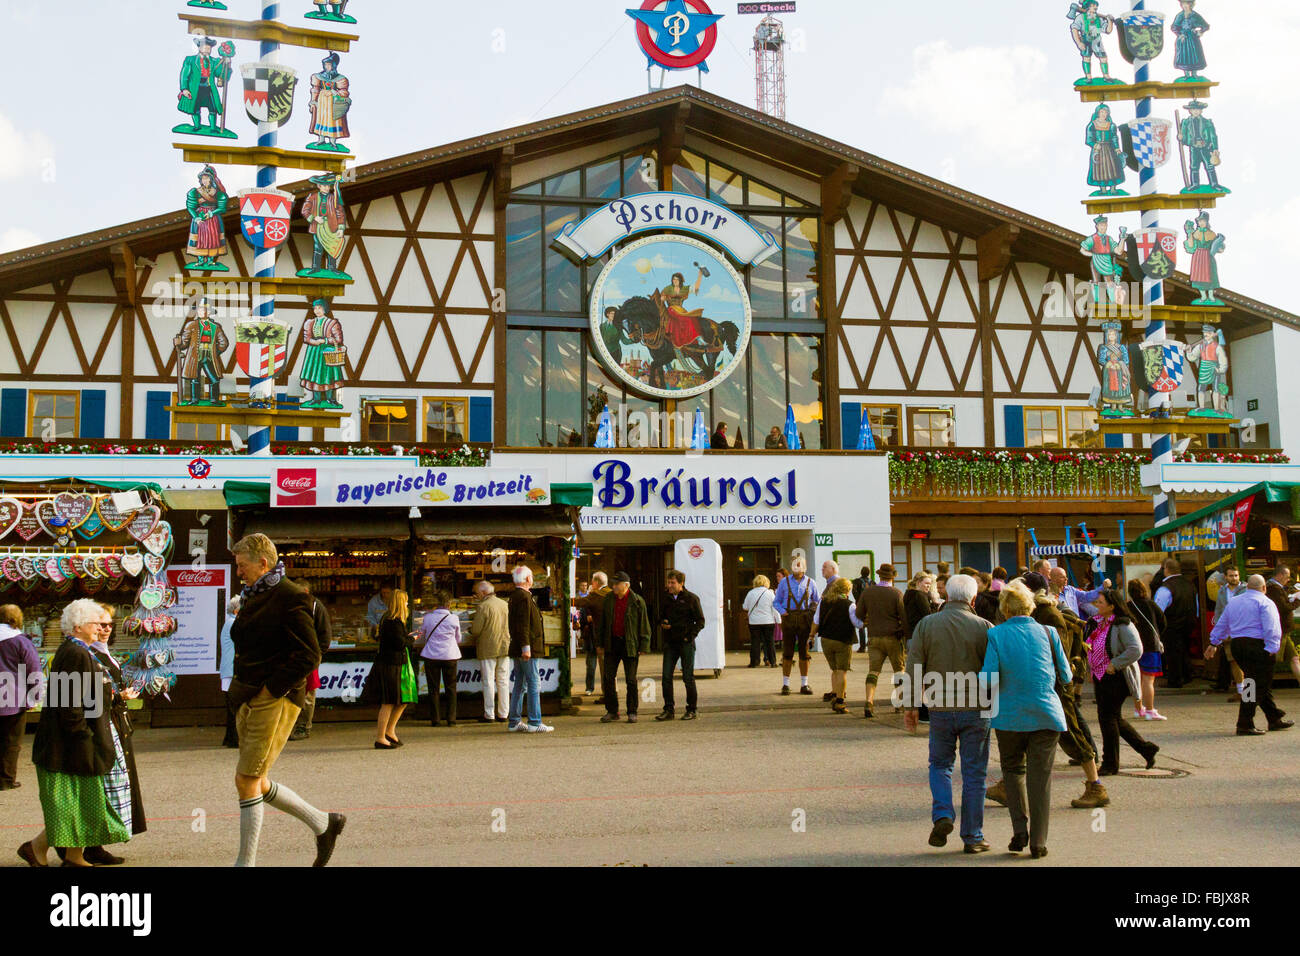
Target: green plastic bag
{"x": 410, "y": 689}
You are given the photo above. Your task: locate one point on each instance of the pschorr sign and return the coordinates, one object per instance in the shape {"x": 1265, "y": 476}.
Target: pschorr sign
{"x": 656, "y": 212}
{"x": 377, "y": 485}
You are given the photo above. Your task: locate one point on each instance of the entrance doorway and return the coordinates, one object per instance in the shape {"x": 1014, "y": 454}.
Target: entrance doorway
{"x": 740, "y": 562}
{"x": 644, "y": 565}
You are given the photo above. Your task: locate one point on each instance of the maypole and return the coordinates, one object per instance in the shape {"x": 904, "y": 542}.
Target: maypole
{"x": 260, "y": 388}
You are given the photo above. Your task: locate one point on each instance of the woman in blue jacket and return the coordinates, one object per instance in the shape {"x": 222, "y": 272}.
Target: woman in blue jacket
{"x": 1023, "y": 662}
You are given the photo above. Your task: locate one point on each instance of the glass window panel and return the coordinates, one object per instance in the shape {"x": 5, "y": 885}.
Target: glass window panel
{"x": 640, "y": 172}
{"x": 801, "y": 267}
{"x": 688, "y": 175}
{"x": 444, "y": 420}
{"x": 601, "y": 391}
{"x": 686, "y": 411}
{"x": 524, "y": 256}
{"x": 805, "y": 388}
{"x": 1081, "y": 427}
{"x": 766, "y": 288}
{"x": 731, "y": 404}
{"x": 563, "y": 389}
{"x": 725, "y": 185}
{"x": 65, "y": 406}
{"x": 532, "y": 189}
{"x": 767, "y": 358}
{"x": 389, "y": 420}
{"x": 885, "y": 422}
{"x": 603, "y": 180}
{"x": 930, "y": 428}
{"x": 523, "y": 388}
{"x": 563, "y": 278}
{"x": 565, "y": 184}
{"x": 43, "y": 406}
{"x": 763, "y": 195}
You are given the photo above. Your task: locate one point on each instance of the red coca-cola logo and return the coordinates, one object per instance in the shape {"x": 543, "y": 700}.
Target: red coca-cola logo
{"x": 191, "y": 578}
{"x": 296, "y": 486}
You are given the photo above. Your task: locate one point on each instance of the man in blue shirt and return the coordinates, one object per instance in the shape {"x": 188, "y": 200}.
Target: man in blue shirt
{"x": 378, "y": 606}
{"x": 796, "y": 600}
{"x": 1068, "y": 596}
{"x": 1251, "y": 622}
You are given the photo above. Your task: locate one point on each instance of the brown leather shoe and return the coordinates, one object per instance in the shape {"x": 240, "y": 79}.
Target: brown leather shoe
{"x": 28, "y": 854}
{"x": 997, "y": 793}
{"x": 1094, "y": 795}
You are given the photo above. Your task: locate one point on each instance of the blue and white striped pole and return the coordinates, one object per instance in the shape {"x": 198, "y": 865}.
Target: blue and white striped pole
{"x": 259, "y": 438}
{"x": 1153, "y": 293}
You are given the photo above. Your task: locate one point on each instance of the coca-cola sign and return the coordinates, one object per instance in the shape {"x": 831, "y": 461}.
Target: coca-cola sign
{"x": 295, "y": 487}
{"x": 196, "y": 577}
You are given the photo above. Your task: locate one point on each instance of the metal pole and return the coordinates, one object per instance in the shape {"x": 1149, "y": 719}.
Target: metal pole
{"x": 259, "y": 437}
{"x": 1153, "y": 293}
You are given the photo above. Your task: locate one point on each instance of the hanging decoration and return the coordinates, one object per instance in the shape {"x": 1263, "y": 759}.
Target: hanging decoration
{"x": 1210, "y": 356}
{"x": 206, "y": 204}
{"x": 1087, "y": 28}
{"x": 334, "y": 11}
{"x": 199, "y": 346}
{"x": 327, "y": 218}
{"x": 331, "y": 100}
{"x": 1189, "y": 53}
{"x": 204, "y": 81}
{"x": 324, "y": 357}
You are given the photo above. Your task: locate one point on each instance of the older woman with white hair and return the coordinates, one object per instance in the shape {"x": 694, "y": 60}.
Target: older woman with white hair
{"x": 1023, "y": 662}
{"x": 80, "y": 767}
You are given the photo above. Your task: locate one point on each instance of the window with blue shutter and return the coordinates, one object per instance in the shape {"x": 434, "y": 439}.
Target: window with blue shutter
{"x": 92, "y": 413}
{"x": 480, "y": 419}
{"x": 13, "y": 412}
{"x": 1114, "y": 441}
{"x": 850, "y": 424}
{"x": 157, "y": 420}
{"x": 1014, "y": 418}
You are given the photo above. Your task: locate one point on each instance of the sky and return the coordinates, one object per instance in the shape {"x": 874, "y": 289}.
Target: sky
{"x": 977, "y": 94}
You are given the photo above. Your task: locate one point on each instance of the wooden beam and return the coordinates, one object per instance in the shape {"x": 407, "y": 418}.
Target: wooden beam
{"x": 828, "y": 299}
{"x": 986, "y": 363}
{"x": 837, "y": 191}
{"x": 502, "y": 173}
{"x": 269, "y": 30}
{"x": 672, "y": 136}
{"x": 994, "y": 249}
{"x": 123, "y": 271}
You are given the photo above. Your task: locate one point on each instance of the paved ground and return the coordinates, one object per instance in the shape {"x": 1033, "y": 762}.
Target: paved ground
{"x": 725, "y": 789}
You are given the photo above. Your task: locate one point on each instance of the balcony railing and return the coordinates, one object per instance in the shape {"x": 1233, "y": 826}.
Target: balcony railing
{"x": 1002, "y": 473}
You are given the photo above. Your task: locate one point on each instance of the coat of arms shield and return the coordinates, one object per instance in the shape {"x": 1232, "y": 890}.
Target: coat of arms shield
{"x": 1153, "y": 253}
{"x": 1163, "y": 365}
{"x": 268, "y": 92}
{"x": 264, "y": 216}
{"x": 261, "y": 347}
{"x": 1141, "y": 34}
{"x": 1149, "y": 143}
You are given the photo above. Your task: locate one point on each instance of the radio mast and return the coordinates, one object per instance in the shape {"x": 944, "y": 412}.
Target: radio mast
{"x": 769, "y": 66}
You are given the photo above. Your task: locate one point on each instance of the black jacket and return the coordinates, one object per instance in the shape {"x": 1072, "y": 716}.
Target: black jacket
{"x": 68, "y": 740}
{"x": 394, "y": 642}
{"x": 275, "y": 644}
{"x": 324, "y": 629}
{"x": 682, "y": 614}
{"x": 1150, "y": 623}
{"x": 525, "y": 622}
{"x": 916, "y": 605}
{"x": 986, "y": 605}
{"x": 1180, "y": 616}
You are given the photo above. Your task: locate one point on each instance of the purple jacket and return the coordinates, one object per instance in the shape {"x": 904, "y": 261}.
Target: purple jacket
{"x": 16, "y": 653}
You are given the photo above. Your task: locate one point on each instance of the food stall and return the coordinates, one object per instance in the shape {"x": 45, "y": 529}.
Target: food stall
{"x": 345, "y": 554}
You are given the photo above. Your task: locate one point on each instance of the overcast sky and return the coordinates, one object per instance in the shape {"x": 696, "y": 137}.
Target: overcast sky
{"x": 975, "y": 93}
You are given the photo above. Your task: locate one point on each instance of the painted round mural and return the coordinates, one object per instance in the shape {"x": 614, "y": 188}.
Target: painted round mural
{"x": 670, "y": 316}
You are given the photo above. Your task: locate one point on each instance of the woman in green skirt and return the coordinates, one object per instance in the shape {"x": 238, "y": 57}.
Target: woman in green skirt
{"x": 80, "y": 768}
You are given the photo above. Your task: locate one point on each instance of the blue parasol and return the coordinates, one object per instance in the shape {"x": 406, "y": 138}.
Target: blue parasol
{"x": 866, "y": 440}
{"x": 791, "y": 432}
{"x": 699, "y": 432}
{"x": 605, "y": 430}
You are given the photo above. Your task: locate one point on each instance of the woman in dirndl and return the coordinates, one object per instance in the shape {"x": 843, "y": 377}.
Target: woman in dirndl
{"x": 81, "y": 770}
{"x": 1106, "y": 166}
{"x": 322, "y": 334}
{"x": 206, "y": 204}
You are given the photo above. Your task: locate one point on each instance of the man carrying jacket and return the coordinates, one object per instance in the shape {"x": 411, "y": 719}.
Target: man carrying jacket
{"x": 276, "y": 649}
{"x": 681, "y": 620}
{"x": 527, "y": 637}
{"x": 625, "y": 636}
{"x": 881, "y": 606}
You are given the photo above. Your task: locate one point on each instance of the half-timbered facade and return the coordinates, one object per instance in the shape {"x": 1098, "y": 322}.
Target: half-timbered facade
{"x": 932, "y": 311}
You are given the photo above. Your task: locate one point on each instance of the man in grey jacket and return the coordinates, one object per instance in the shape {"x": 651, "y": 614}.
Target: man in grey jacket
{"x": 944, "y": 657}
{"x": 491, "y": 633}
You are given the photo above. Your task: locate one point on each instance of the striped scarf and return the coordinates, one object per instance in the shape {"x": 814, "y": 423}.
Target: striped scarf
{"x": 1099, "y": 655}
{"x": 263, "y": 584}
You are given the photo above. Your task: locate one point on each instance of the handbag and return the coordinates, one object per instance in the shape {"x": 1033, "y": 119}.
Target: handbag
{"x": 410, "y": 689}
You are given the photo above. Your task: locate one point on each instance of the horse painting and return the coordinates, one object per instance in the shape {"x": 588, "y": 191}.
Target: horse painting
{"x": 646, "y": 320}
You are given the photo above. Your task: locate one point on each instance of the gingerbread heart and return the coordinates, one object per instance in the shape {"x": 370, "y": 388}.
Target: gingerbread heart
{"x": 112, "y": 565}
{"x": 90, "y": 567}
{"x": 46, "y": 515}
{"x": 28, "y": 584}
{"x": 78, "y": 565}
{"x": 26, "y": 567}
{"x": 91, "y": 527}
{"x": 52, "y": 570}
{"x": 144, "y": 522}
{"x": 65, "y": 566}
{"x": 154, "y": 562}
{"x": 133, "y": 562}
{"x": 159, "y": 541}
{"x": 116, "y": 520}
{"x": 92, "y": 585}
{"x": 9, "y": 568}
{"x": 11, "y": 509}
{"x": 75, "y": 508}
{"x": 152, "y": 595}
{"x": 29, "y": 525}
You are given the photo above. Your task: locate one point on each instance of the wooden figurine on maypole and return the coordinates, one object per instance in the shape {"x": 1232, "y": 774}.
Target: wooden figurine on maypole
{"x": 1198, "y": 134}
{"x": 198, "y": 358}
{"x": 206, "y": 204}
{"x": 1107, "y": 159}
{"x": 1189, "y": 53}
{"x": 207, "y": 4}
{"x": 1116, "y": 377}
{"x": 1087, "y": 27}
{"x": 1205, "y": 245}
{"x": 1106, "y": 256}
{"x": 327, "y": 215}
{"x": 324, "y": 357}
{"x": 1210, "y": 355}
{"x": 335, "y": 11}
{"x": 330, "y": 102}
{"x": 203, "y": 84}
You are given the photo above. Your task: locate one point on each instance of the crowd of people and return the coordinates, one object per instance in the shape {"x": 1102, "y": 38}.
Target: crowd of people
{"x": 974, "y": 656}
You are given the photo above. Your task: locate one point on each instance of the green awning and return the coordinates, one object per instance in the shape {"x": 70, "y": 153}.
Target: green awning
{"x": 247, "y": 493}
{"x": 97, "y": 482}
{"x": 1274, "y": 492}
{"x": 578, "y": 495}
